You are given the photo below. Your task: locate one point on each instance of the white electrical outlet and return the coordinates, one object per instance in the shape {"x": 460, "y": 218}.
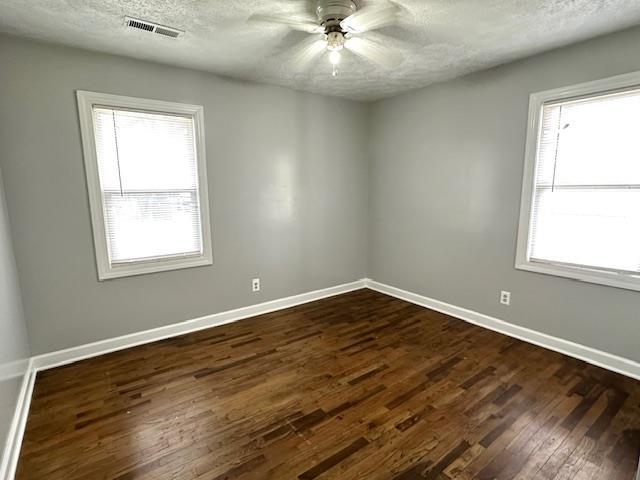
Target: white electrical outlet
{"x": 505, "y": 298}
{"x": 255, "y": 284}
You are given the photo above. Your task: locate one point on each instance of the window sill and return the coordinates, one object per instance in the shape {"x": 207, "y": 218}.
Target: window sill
{"x": 108, "y": 272}
{"x": 610, "y": 279}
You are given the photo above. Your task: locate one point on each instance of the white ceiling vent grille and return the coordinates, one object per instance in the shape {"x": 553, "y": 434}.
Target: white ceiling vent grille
{"x": 152, "y": 27}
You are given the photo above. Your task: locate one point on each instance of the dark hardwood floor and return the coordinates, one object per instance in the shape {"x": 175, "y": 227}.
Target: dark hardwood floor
{"x": 358, "y": 386}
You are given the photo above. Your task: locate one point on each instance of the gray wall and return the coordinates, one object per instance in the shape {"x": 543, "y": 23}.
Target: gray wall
{"x": 446, "y": 177}
{"x": 287, "y": 183}
{"x": 14, "y": 348}
{"x": 295, "y": 198}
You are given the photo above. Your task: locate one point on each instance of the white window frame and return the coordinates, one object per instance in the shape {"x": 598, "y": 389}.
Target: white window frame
{"x": 86, "y": 102}
{"x": 536, "y": 102}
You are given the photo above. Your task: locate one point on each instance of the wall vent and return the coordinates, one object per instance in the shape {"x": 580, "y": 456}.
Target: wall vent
{"x": 152, "y": 27}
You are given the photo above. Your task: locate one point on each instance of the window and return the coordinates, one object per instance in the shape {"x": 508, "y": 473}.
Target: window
{"x": 145, "y": 166}
{"x": 580, "y": 214}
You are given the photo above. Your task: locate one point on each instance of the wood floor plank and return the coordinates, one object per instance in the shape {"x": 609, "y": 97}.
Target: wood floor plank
{"x": 356, "y": 386}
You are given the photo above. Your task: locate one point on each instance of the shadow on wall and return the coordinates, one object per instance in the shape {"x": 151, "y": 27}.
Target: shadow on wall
{"x": 14, "y": 346}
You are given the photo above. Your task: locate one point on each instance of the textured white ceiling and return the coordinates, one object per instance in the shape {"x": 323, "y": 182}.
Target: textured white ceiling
{"x": 439, "y": 39}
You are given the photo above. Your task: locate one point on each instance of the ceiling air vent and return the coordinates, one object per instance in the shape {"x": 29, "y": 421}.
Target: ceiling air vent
{"x": 152, "y": 27}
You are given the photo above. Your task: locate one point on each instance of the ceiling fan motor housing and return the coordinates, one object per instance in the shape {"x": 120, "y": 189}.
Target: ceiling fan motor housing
{"x": 332, "y": 12}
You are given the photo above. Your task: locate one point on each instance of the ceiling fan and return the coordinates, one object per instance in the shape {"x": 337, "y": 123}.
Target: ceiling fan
{"x": 339, "y": 25}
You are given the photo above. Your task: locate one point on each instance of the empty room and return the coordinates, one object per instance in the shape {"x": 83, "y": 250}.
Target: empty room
{"x": 319, "y": 239}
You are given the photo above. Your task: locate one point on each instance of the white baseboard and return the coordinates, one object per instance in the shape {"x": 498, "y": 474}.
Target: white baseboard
{"x": 11, "y": 453}
{"x": 81, "y": 352}
{"x": 599, "y": 358}
{"x": 14, "y": 369}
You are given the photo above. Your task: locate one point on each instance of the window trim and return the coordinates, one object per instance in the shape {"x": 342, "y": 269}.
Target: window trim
{"x": 601, "y": 87}
{"x": 86, "y": 101}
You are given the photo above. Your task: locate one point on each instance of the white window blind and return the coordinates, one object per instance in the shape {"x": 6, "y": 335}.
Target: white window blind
{"x": 586, "y": 199}
{"x": 149, "y": 183}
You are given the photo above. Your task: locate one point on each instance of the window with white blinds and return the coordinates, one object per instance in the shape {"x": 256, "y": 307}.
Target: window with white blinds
{"x": 583, "y": 203}
{"x": 145, "y": 169}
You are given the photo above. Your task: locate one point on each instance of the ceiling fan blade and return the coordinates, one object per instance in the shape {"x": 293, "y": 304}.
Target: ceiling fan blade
{"x": 373, "y": 51}
{"x": 307, "y": 50}
{"x": 371, "y": 17}
{"x": 302, "y": 24}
